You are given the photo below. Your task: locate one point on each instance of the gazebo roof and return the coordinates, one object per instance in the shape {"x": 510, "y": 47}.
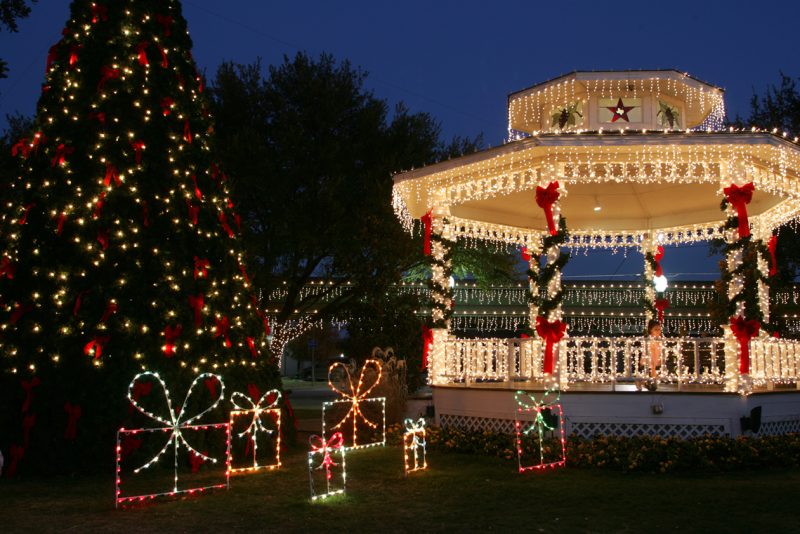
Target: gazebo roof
{"x": 644, "y": 183}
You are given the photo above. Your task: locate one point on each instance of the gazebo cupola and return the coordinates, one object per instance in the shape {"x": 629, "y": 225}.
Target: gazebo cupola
{"x": 597, "y": 100}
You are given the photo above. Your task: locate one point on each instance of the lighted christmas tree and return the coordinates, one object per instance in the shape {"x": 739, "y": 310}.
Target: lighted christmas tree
{"x": 120, "y": 248}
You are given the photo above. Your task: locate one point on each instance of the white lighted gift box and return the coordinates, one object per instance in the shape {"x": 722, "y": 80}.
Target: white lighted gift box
{"x": 327, "y": 468}
{"x": 255, "y": 431}
{"x": 360, "y": 419}
{"x": 415, "y": 445}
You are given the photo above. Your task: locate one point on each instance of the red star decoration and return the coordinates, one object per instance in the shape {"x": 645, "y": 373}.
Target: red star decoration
{"x": 620, "y": 111}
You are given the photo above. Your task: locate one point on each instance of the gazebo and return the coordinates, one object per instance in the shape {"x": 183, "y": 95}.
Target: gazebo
{"x": 612, "y": 159}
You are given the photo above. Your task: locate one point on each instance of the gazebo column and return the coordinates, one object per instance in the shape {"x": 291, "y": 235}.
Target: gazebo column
{"x": 648, "y": 246}
{"x": 733, "y": 259}
{"x": 441, "y": 297}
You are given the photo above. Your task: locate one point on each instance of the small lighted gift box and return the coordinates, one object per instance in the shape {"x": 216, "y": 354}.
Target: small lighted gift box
{"x": 255, "y": 432}
{"x": 326, "y": 466}
{"x": 540, "y": 437}
{"x": 414, "y": 446}
{"x": 362, "y": 422}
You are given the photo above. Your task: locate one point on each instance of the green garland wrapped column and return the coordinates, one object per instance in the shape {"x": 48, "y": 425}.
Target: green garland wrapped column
{"x": 442, "y": 304}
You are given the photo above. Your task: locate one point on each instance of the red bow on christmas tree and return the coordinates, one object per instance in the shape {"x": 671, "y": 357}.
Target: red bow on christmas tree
{"x": 545, "y": 198}
{"x": 740, "y": 197}
{"x": 552, "y": 333}
{"x": 744, "y": 331}
{"x": 427, "y": 222}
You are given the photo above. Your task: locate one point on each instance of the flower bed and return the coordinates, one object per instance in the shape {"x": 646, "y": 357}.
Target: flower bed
{"x": 642, "y": 454}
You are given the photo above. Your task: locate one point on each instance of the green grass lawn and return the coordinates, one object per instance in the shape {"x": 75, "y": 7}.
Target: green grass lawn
{"x": 459, "y": 493}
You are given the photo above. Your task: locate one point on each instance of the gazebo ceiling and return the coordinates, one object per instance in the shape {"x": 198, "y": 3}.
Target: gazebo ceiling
{"x": 623, "y": 206}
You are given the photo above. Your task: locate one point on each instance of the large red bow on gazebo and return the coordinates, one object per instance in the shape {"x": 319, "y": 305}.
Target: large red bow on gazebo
{"x": 551, "y": 332}
{"x": 545, "y": 198}
{"x": 427, "y": 340}
{"x": 427, "y": 222}
{"x": 740, "y": 197}
{"x": 744, "y": 331}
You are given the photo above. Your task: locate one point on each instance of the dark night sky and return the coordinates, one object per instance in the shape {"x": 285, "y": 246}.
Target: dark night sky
{"x": 459, "y": 59}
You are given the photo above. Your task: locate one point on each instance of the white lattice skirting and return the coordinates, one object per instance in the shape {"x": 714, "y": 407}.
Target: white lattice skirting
{"x": 778, "y": 427}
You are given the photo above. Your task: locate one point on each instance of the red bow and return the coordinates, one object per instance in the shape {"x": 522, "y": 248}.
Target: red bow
{"x": 138, "y": 146}
{"x": 24, "y": 217}
{"x": 335, "y": 442}
{"x": 16, "y": 453}
{"x": 111, "y": 175}
{"x": 171, "y": 335}
{"x": 78, "y": 302}
{"x": 166, "y": 105}
{"x": 197, "y": 303}
{"x": 217, "y": 174}
{"x": 552, "y": 334}
{"x": 98, "y": 207}
{"x": 661, "y": 305}
{"x": 27, "y": 386}
{"x": 197, "y": 192}
{"x": 427, "y": 222}
{"x": 166, "y": 22}
{"x": 427, "y": 340}
{"x": 224, "y": 222}
{"x": 141, "y": 50}
{"x": 244, "y": 273}
{"x": 187, "y": 132}
{"x": 772, "y": 246}
{"x": 102, "y": 238}
{"x": 740, "y": 197}
{"x": 99, "y": 13}
{"x": 73, "y": 54}
{"x": 200, "y": 267}
{"x": 211, "y": 385}
{"x": 73, "y": 414}
{"x": 28, "y": 422}
{"x": 659, "y": 255}
{"x": 545, "y": 198}
{"x": 7, "y": 268}
{"x": 21, "y": 147}
{"x": 222, "y": 328}
{"x": 744, "y": 331}
{"x": 164, "y": 62}
{"x": 95, "y": 346}
{"x": 251, "y": 344}
{"x": 62, "y": 217}
{"x": 60, "y": 158}
{"x": 107, "y": 73}
{"x": 194, "y": 211}
{"x": 526, "y": 255}
{"x": 111, "y": 309}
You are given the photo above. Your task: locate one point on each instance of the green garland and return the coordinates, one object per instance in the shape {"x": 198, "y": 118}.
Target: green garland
{"x": 544, "y": 303}
{"x": 751, "y": 250}
{"x": 445, "y": 290}
{"x": 650, "y": 305}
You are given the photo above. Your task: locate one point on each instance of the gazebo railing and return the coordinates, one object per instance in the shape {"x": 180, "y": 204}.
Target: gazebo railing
{"x": 774, "y": 361}
{"x": 599, "y": 360}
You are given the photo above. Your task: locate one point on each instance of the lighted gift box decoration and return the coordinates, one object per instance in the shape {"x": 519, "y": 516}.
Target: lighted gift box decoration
{"x": 181, "y": 435}
{"x": 255, "y": 431}
{"x": 414, "y": 445}
{"x": 326, "y": 466}
{"x": 361, "y": 419}
{"x": 548, "y": 418}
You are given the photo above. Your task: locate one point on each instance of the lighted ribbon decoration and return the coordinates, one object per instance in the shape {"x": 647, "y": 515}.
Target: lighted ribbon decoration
{"x": 552, "y": 333}
{"x": 336, "y": 442}
{"x": 538, "y": 405}
{"x": 416, "y": 429}
{"x": 772, "y": 247}
{"x": 744, "y": 331}
{"x": 659, "y": 255}
{"x": 427, "y": 340}
{"x": 73, "y": 414}
{"x": 255, "y": 425}
{"x": 177, "y": 420}
{"x": 427, "y": 223}
{"x": 356, "y": 395}
{"x": 545, "y": 198}
{"x": 661, "y": 305}
{"x": 740, "y": 197}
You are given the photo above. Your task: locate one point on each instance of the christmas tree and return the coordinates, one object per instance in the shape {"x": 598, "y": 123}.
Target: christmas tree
{"x": 120, "y": 247}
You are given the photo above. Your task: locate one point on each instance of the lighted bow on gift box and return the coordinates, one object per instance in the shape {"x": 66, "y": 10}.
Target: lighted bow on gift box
{"x": 549, "y": 418}
{"x": 246, "y": 407}
{"x": 324, "y": 448}
{"x": 414, "y": 440}
{"x": 175, "y": 424}
{"x": 354, "y": 400}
